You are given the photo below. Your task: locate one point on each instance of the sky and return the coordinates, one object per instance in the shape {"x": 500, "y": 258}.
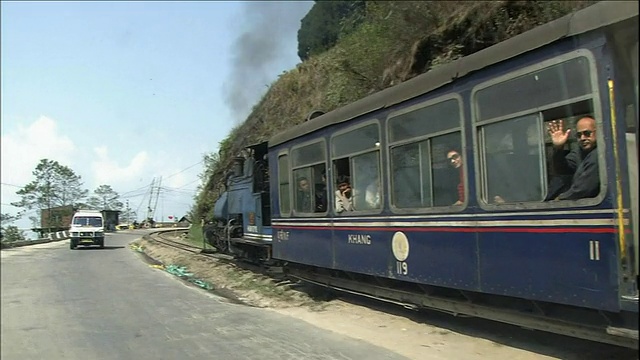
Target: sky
{"x": 128, "y": 93}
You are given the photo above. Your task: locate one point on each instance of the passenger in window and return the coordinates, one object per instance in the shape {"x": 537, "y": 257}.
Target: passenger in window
{"x": 344, "y": 195}
{"x": 372, "y": 194}
{"x": 321, "y": 194}
{"x": 303, "y": 200}
{"x": 455, "y": 160}
{"x": 581, "y": 164}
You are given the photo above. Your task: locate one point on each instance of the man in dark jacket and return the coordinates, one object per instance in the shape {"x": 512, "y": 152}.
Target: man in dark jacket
{"x": 581, "y": 165}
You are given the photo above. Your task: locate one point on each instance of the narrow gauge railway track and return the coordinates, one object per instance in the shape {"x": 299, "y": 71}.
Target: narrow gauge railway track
{"x": 163, "y": 237}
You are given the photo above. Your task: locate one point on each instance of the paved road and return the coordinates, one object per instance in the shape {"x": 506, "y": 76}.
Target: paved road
{"x": 107, "y": 304}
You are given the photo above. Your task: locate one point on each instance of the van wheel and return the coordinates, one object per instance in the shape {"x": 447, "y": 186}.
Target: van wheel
{"x": 101, "y": 244}
{"x": 72, "y": 245}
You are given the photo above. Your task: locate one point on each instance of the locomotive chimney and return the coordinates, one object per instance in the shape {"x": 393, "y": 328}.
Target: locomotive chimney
{"x": 238, "y": 165}
{"x": 314, "y": 114}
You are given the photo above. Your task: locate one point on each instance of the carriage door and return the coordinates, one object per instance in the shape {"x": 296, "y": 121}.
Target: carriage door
{"x": 624, "y": 37}
{"x": 632, "y": 149}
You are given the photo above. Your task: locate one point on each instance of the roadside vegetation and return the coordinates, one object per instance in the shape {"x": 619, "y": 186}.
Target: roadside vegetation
{"x": 351, "y": 49}
{"x": 9, "y": 233}
{"x": 57, "y": 186}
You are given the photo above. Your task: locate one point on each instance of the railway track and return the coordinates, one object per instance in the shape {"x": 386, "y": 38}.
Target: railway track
{"x": 167, "y": 238}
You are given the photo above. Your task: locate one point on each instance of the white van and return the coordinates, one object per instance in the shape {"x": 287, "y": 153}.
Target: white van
{"x": 87, "y": 228}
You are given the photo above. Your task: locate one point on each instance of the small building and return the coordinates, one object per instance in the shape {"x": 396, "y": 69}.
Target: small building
{"x": 184, "y": 222}
{"x": 111, "y": 219}
{"x": 55, "y": 219}
{"x": 58, "y": 217}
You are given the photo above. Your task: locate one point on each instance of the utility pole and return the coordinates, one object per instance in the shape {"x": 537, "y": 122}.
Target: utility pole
{"x": 150, "y": 199}
{"x": 128, "y": 213}
{"x": 155, "y": 205}
{"x": 49, "y": 205}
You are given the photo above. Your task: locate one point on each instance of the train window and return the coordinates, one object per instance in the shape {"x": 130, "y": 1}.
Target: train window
{"x": 428, "y": 173}
{"x": 513, "y": 158}
{"x": 311, "y": 192}
{"x": 309, "y": 174}
{"x": 363, "y": 139}
{"x": 308, "y": 154}
{"x": 356, "y": 164}
{"x": 424, "y": 121}
{"x": 366, "y": 179}
{"x": 516, "y": 154}
{"x": 427, "y": 164}
{"x": 283, "y": 184}
{"x": 560, "y": 82}
{"x": 303, "y": 190}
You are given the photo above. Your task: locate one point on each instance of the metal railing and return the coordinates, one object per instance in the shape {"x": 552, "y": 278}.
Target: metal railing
{"x": 51, "y": 237}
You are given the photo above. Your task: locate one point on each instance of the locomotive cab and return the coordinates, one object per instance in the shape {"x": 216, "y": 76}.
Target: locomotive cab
{"x": 242, "y": 214}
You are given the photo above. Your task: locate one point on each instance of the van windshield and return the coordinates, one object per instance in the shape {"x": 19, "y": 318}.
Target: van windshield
{"x": 95, "y": 221}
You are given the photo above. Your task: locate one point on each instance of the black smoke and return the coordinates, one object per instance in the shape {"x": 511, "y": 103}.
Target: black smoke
{"x": 266, "y": 28}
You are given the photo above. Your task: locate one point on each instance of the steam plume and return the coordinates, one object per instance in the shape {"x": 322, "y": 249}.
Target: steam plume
{"x": 258, "y": 53}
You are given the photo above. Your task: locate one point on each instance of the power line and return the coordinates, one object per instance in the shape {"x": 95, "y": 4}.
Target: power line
{"x": 144, "y": 187}
{"x": 185, "y": 169}
{"x": 141, "y": 193}
{"x": 178, "y": 190}
{"x": 189, "y": 184}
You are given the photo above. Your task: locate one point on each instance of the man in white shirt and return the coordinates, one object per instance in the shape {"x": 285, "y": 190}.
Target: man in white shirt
{"x": 344, "y": 195}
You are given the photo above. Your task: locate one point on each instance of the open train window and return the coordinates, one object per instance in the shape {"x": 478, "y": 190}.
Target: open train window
{"x": 356, "y": 181}
{"x": 309, "y": 172}
{"x": 515, "y": 152}
{"x": 426, "y": 158}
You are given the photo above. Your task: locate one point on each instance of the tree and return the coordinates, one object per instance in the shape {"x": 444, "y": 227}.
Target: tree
{"x": 323, "y": 25}
{"x": 105, "y": 198}
{"x": 7, "y": 218}
{"x": 35, "y": 220}
{"x": 128, "y": 216}
{"x": 11, "y": 234}
{"x": 54, "y": 185}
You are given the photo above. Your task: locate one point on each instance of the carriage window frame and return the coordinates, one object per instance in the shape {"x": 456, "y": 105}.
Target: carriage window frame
{"x": 476, "y": 125}
{"x": 287, "y": 177}
{"x": 458, "y": 128}
{"x": 331, "y": 185}
{"x": 306, "y": 165}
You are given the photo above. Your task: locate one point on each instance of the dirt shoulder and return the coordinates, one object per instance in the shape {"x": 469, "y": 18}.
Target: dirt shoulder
{"x": 416, "y": 335}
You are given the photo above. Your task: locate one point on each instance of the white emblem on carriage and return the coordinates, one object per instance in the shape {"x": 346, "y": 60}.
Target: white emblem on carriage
{"x": 282, "y": 235}
{"x": 400, "y": 246}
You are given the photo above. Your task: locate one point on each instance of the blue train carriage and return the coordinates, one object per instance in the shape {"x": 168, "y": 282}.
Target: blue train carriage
{"x": 454, "y": 187}
{"x": 242, "y": 214}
